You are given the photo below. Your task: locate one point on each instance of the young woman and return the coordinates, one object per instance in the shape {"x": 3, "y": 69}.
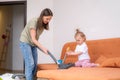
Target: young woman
{"x": 82, "y": 51}
{"x": 29, "y": 41}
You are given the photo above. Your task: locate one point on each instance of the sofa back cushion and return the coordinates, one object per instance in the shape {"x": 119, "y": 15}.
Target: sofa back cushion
{"x": 106, "y": 47}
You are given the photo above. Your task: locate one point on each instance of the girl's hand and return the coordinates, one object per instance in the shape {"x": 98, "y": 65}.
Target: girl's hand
{"x": 69, "y": 52}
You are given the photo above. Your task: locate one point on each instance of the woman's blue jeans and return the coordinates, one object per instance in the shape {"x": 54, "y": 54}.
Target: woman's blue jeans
{"x": 30, "y": 58}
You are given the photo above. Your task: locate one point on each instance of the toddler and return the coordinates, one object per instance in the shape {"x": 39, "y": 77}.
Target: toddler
{"x": 82, "y": 51}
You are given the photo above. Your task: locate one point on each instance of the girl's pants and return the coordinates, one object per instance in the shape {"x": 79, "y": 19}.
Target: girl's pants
{"x": 85, "y": 63}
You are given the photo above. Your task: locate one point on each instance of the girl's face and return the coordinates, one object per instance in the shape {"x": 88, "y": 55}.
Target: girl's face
{"x": 46, "y": 19}
{"x": 79, "y": 39}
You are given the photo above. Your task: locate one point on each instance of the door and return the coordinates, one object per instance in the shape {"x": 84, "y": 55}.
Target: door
{"x": 12, "y": 21}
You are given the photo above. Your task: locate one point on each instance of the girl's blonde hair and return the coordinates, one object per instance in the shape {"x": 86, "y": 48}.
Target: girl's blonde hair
{"x": 78, "y": 32}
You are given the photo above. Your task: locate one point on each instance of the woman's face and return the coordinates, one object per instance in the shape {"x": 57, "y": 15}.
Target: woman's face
{"x": 46, "y": 19}
{"x": 79, "y": 39}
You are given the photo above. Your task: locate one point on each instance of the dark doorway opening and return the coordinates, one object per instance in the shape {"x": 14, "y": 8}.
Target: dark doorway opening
{"x": 12, "y": 21}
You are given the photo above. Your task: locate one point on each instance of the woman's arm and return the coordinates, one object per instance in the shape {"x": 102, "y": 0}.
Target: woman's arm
{"x": 35, "y": 41}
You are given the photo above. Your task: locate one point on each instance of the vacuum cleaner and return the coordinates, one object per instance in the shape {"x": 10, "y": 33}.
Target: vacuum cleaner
{"x": 60, "y": 63}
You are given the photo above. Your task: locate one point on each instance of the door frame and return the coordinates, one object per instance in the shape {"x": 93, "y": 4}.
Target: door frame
{"x": 5, "y": 3}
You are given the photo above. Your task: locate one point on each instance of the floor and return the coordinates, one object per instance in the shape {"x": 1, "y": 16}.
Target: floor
{"x": 2, "y": 71}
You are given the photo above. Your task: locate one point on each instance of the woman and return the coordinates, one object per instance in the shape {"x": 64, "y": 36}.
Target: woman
{"x": 29, "y": 41}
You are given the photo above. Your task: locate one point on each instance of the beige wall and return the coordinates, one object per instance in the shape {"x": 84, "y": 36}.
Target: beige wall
{"x": 5, "y": 21}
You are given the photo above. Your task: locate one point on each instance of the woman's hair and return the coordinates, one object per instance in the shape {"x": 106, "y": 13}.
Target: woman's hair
{"x": 40, "y": 24}
{"x": 78, "y": 32}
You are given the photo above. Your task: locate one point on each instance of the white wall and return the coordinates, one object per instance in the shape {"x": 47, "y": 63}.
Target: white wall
{"x": 98, "y": 19}
{"x": 18, "y": 25}
{"x": 34, "y": 8}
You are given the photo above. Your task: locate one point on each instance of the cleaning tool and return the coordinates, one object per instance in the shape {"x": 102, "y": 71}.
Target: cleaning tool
{"x": 61, "y": 65}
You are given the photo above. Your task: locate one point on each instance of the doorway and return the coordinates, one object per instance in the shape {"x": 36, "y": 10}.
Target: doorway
{"x": 12, "y": 22}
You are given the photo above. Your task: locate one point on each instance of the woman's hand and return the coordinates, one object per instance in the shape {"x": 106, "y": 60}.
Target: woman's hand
{"x": 45, "y": 50}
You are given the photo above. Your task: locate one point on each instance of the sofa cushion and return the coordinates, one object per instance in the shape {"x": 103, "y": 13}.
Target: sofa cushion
{"x": 100, "y": 59}
{"x": 111, "y": 62}
{"x": 77, "y": 73}
{"x": 108, "y": 62}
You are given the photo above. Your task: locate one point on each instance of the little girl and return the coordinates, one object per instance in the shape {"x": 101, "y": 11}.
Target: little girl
{"x": 81, "y": 50}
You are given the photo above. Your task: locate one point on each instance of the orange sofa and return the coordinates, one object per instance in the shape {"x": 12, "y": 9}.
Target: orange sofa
{"x": 106, "y": 52}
